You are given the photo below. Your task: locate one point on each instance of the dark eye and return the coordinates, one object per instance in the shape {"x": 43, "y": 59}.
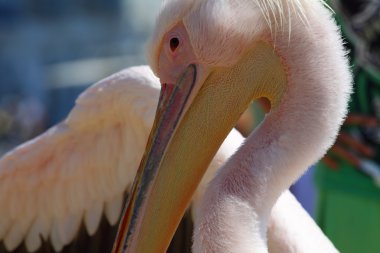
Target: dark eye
{"x": 174, "y": 43}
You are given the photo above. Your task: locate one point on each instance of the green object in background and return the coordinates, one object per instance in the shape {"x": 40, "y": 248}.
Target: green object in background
{"x": 349, "y": 209}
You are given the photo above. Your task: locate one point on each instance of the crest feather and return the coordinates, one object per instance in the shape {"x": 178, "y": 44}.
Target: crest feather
{"x": 278, "y": 14}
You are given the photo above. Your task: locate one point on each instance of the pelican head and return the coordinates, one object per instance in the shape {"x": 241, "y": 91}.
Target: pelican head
{"x": 213, "y": 58}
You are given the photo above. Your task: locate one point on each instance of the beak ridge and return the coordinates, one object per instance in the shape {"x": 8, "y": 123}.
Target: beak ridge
{"x": 171, "y": 107}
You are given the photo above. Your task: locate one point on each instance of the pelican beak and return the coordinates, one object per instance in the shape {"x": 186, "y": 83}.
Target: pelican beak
{"x": 192, "y": 120}
{"x": 171, "y": 106}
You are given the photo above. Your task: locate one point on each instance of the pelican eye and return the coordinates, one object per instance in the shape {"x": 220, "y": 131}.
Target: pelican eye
{"x": 174, "y": 43}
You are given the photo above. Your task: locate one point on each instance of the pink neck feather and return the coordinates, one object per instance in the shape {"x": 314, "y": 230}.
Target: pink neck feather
{"x": 292, "y": 137}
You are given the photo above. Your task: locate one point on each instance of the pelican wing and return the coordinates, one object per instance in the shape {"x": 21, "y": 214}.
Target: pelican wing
{"x": 80, "y": 168}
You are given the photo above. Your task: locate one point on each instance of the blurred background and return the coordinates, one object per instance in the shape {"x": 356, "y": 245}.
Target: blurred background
{"x": 50, "y": 51}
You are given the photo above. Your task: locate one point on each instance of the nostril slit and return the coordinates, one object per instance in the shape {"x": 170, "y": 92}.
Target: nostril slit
{"x": 174, "y": 43}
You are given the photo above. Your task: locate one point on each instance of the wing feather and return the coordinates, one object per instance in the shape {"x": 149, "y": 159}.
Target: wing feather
{"x": 92, "y": 217}
{"x": 15, "y": 235}
{"x": 81, "y": 167}
{"x": 33, "y": 240}
{"x": 113, "y": 209}
{"x": 40, "y": 228}
{"x": 55, "y": 238}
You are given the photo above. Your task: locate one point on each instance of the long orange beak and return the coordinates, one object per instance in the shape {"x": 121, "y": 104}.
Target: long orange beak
{"x": 190, "y": 126}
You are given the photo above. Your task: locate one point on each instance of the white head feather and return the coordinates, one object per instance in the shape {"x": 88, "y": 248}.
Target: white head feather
{"x": 205, "y": 20}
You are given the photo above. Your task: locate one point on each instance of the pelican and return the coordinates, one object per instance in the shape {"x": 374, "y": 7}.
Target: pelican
{"x": 213, "y": 57}
{"x": 80, "y": 170}
{"x": 82, "y": 167}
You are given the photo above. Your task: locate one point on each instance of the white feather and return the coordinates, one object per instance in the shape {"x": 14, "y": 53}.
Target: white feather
{"x": 15, "y": 235}
{"x": 55, "y": 237}
{"x": 92, "y": 217}
{"x": 42, "y": 225}
{"x": 113, "y": 209}
{"x": 4, "y": 226}
{"x": 77, "y": 163}
{"x": 33, "y": 239}
{"x": 69, "y": 227}
{"x": 40, "y": 229}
